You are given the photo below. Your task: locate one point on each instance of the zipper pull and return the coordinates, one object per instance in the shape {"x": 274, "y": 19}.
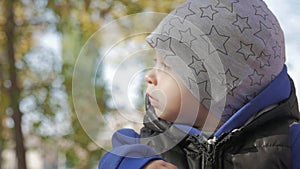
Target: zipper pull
{"x": 212, "y": 141}
{"x": 210, "y": 149}
{"x": 210, "y": 144}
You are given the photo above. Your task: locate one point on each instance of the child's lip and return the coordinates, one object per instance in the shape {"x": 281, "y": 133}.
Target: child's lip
{"x": 154, "y": 102}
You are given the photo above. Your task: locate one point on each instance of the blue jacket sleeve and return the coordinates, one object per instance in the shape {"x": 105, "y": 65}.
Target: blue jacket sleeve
{"x": 127, "y": 152}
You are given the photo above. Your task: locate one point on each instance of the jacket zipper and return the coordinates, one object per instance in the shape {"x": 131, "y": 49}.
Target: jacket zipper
{"x": 208, "y": 155}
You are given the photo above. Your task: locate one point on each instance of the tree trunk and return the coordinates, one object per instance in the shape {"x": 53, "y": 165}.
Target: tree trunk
{"x": 1, "y": 148}
{"x": 14, "y": 90}
{"x": 1, "y": 115}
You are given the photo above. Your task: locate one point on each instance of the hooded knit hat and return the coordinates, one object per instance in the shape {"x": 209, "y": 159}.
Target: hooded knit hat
{"x": 225, "y": 51}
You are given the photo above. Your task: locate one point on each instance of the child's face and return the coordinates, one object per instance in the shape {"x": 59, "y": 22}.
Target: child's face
{"x": 170, "y": 98}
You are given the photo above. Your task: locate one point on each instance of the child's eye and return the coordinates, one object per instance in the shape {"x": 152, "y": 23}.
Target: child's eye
{"x": 165, "y": 66}
{"x": 159, "y": 64}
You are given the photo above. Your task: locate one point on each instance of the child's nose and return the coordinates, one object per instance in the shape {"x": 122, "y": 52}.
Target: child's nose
{"x": 150, "y": 77}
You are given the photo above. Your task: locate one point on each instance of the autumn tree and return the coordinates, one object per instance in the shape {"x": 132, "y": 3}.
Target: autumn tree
{"x": 36, "y": 81}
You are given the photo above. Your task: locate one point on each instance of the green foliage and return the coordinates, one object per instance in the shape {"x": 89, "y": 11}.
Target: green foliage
{"x": 73, "y": 159}
{"x": 74, "y": 21}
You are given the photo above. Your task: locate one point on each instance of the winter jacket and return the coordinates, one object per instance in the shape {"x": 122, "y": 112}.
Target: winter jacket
{"x": 257, "y": 136}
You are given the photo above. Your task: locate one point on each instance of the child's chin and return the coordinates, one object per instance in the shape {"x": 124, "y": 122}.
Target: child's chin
{"x": 158, "y": 112}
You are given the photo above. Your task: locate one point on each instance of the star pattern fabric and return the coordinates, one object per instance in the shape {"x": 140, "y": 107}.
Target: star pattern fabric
{"x": 260, "y": 11}
{"x": 241, "y": 23}
{"x": 197, "y": 65}
{"x": 246, "y": 50}
{"x": 186, "y": 10}
{"x": 232, "y": 50}
{"x": 264, "y": 60}
{"x": 256, "y": 78}
{"x": 264, "y": 33}
{"x": 165, "y": 45}
{"x": 249, "y": 97}
{"x": 206, "y": 94}
{"x": 275, "y": 28}
{"x": 220, "y": 45}
{"x": 167, "y": 28}
{"x": 230, "y": 79}
{"x": 187, "y": 37}
{"x": 227, "y": 4}
{"x": 208, "y": 12}
{"x": 277, "y": 50}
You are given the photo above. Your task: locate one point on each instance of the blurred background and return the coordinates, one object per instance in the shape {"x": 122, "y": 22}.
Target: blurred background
{"x": 40, "y": 41}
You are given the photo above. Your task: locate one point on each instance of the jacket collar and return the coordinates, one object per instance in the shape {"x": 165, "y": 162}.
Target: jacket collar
{"x": 278, "y": 90}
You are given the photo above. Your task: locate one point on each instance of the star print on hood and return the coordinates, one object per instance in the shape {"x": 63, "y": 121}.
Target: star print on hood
{"x": 225, "y": 51}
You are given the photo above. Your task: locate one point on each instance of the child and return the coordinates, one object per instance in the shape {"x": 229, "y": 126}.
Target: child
{"x": 219, "y": 95}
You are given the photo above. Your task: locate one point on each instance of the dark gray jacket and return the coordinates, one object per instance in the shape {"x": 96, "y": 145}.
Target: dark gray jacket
{"x": 263, "y": 142}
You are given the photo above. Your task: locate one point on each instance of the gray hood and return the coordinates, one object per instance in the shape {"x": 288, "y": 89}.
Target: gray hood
{"x": 225, "y": 51}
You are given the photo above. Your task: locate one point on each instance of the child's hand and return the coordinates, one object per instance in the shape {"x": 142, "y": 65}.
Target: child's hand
{"x": 160, "y": 164}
